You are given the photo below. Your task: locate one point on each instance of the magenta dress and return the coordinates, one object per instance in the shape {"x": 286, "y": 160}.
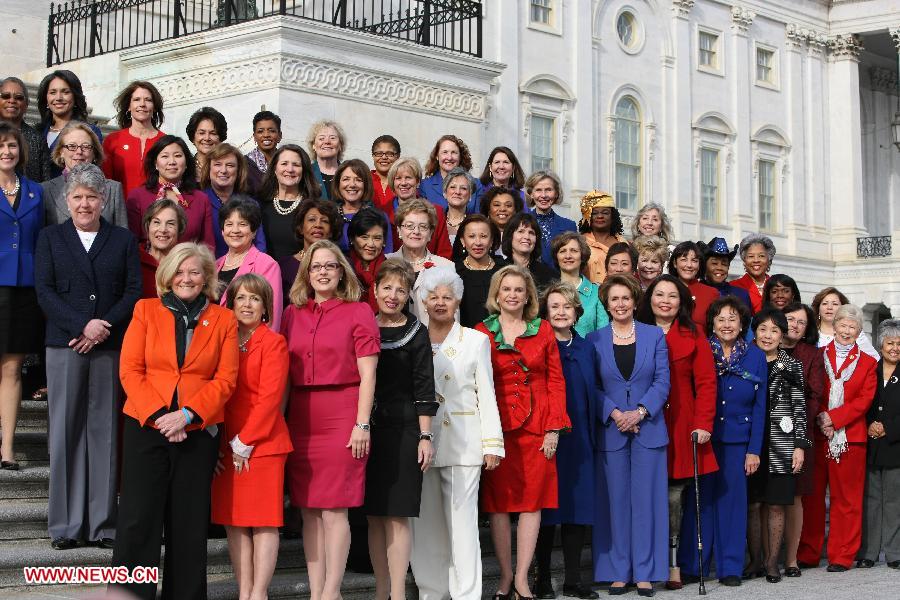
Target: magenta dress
{"x": 324, "y": 340}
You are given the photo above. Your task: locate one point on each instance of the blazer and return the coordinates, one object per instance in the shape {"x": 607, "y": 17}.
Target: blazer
{"x": 558, "y": 225}
{"x": 741, "y": 403}
{"x": 582, "y": 391}
{"x": 648, "y": 386}
{"x": 57, "y": 211}
{"x": 594, "y": 316}
{"x": 746, "y": 282}
{"x": 148, "y": 365}
{"x": 418, "y": 305}
{"x": 814, "y": 382}
{"x": 254, "y": 414}
{"x": 859, "y": 392}
{"x": 467, "y": 407}
{"x": 38, "y": 167}
{"x": 124, "y": 160}
{"x": 18, "y": 234}
{"x": 703, "y": 296}
{"x": 786, "y": 401}
{"x": 215, "y": 205}
{"x": 885, "y": 451}
{"x": 317, "y": 172}
{"x": 266, "y": 267}
{"x": 440, "y": 238}
{"x": 74, "y": 286}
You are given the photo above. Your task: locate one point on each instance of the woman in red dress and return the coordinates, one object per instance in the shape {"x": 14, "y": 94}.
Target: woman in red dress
{"x": 686, "y": 263}
{"x": 139, "y": 113}
{"x": 531, "y": 396}
{"x": 757, "y": 252}
{"x": 333, "y": 342}
{"x": 250, "y": 502}
{"x": 691, "y": 407}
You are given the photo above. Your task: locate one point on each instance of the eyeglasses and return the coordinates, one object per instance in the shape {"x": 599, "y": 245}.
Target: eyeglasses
{"x": 415, "y": 227}
{"x": 330, "y": 267}
{"x": 384, "y": 154}
{"x": 82, "y": 147}
{"x": 796, "y": 321}
{"x": 16, "y": 97}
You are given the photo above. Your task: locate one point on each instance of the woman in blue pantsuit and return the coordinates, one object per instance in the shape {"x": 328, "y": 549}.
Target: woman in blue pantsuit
{"x": 737, "y": 439}
{"x": 632, "y": 518}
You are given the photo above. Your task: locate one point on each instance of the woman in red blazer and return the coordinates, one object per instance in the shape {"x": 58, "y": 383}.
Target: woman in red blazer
{"x": 840, "y": 448}
{"x": 686, "y": 263}
{"x": 179, "y": 366}
{"x": 691, "y": 406}
{"x": 249, "y": 502}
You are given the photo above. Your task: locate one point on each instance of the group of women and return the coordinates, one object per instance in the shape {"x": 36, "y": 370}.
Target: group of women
{"x": 419, "y": 345}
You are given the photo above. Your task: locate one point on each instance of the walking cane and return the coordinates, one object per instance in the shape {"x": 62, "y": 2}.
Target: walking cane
{"x": 697, "y": 502}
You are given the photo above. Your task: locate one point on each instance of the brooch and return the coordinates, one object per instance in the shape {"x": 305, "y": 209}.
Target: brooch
{"x": 125, "y": 147}
{"x": 450, "y": 352}
{"x": 205, "y": 322}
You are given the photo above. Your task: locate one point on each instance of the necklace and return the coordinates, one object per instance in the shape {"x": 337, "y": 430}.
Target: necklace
{"x": 624, "y": 337}
{"x": 12, "y": 193}
{"x": 451, "y": 224}
{"x": 235, "y": 261}
{"x": 469, "y": 266}
{"x": 285, "y": 211}
{"x": 242, "y": 345}
{"x": 382, "y": 320}
{"x": 419, "y": 261}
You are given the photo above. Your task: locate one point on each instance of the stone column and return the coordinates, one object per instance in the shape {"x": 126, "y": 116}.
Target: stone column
{"x": 678, "y": 194}
{"x": 742, "y": 214}
{"x": 793, "y": 79}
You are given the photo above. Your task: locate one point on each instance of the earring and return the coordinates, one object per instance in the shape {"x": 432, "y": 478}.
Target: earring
{"x": 265, "y": 318}
{"x": 128, "y": 115}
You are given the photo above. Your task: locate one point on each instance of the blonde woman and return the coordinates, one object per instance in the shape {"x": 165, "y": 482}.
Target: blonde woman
{"x": 326, "y": 142}
{"x": 404, "y": 179}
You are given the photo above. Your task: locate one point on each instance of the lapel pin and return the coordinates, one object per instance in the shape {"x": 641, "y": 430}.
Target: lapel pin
{"x": 205, "y": 322}
{"x": 31, "y": 194}
{"x": 125, "y": 147}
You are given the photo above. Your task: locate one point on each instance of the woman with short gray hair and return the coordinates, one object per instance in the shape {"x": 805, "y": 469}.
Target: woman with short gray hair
{"x": 458, "y": 187}
{"x": 88, "y": 279}
{"x": 757, "y": 253}
{"x": 881, "y": 508}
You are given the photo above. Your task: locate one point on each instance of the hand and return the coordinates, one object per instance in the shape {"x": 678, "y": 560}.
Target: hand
{"x": 876, "y": 430}
{"x": 96, "y": 330}
{"x": 358, "y": 443}
{"x": 703, "y": 436}
{"x": 172, "y": 423}
{"x": 797, "y": 460}
{"x": 751, "y": 464}
{"x": 178, "y": 436}
{"x": 824, "y": 420}
{"x": 491, "y": 462}
{"x": 81, "y": 345}
{"x": 220, "y": 467}
{"x": 828, "y": 432}
{"x": 548, "y": 447}
{"x": 426, "y": 454}
{"x": 617, "y": 415}
{"x": 240, "y": 463}
{"x": 630, "y": 419}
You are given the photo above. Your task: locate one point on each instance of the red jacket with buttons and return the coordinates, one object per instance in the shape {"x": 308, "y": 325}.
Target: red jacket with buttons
{"x": 859, "y": 392}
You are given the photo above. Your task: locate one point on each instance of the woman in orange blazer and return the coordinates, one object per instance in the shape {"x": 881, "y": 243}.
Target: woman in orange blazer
{"x": 250, "y": 502}
{"x": 179, "y": 366}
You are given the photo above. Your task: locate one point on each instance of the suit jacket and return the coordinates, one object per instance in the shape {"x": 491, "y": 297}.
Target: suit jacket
{"x": 558, "y": 225}
{"x": 467, "y": 407}
{"x": 885, "y": 451}
{"x": 814, "y": 382}
{"x": 741, "y": 403}
{"x": 38, "y": 168}
{"x": 18, "y": 234}
{"x": 648, "y": 386}
{"x": 254, "y": 413}
{"x": 317, "y": 172}
{"x": 266, "y": 267}
{"x": 786, "y": 400}
{"x": 74, "y": 286}
{"x": 148, "y": 365}
{"x": 57, "y": 211}
{"x": 859, "y": 392}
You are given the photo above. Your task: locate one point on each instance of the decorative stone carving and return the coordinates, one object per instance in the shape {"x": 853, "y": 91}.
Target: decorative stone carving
{"x": 845, "y": 46}
{"x": 895, "y": 35}
{"x": 651, "y": 141}
{"x": 798, "y": 35}
{"x": 741, "y": 18}
{"x": 883, "y": 80}
{"x": 681, "y": 8}
{"x": 565, "y": 117}
{"x": 526, "y": 115}
{"x": 611, "y": 139}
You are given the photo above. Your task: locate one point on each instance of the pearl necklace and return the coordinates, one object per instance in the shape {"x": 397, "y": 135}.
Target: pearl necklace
{"x": 451, "y": 224}
{"x": 236, "y": 260}
{"x": 623, "y": 337}
{"x": 12, "y": 193}
{"x": 285, "y": 211}
{"x": 242, "y": 346}
{"x": 471, "y": 268}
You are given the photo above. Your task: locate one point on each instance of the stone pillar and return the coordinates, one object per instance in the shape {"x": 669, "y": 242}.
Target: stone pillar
{"x": 894, "y": 173}
{"x": 742, "y": 216}
{"x": 678, "y": 194}
{"x": 793, "y": 78}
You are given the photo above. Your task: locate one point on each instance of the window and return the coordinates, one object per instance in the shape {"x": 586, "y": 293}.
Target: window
{"x": 766, "y": 195}
{"x": 765, "y": 66}
{"x": 542, "y": 143}
{"x": 628, "y": 154}
{"x": 709, "y": 185}
{"x": 626, "y": 29}
{"x": 541, "y": 11}
{"x": 709, "y": 50}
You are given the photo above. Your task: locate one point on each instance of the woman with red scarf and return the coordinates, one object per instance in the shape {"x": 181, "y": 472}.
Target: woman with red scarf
{"x": 367, "y": 233}
{"x": 757, "y": 252}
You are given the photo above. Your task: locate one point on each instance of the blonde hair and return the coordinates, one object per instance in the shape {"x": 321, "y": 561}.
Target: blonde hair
{"x": 532, "y": 307}
{"x": 319, "y": 126}
{"x": 255, "y": 284}
{"x": 165, "y": 273}
{"x": 653, "y": 245}
{"x": 348, "y": 288}
{"x": 415, "y": 205}
{"x": 665, "y": 225}
{"x": 406, "y": 162}
{"x": 57, "y": 158}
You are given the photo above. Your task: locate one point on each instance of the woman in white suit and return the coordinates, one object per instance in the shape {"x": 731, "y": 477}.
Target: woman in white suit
{"x": 446, "y": 558}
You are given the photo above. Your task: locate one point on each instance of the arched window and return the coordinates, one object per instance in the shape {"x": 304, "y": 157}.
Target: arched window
{"x": 628, "y": 154}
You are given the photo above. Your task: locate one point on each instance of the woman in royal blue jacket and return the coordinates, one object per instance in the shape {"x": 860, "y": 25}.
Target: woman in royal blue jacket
{"x": 737, "y": 439}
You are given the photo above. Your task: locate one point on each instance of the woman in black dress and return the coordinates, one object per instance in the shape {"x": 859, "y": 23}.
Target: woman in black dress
{"x": 477, "y": 239}
{"x": 401, "y": 447}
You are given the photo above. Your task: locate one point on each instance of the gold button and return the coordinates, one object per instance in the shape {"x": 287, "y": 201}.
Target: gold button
{"x": 446, "y": 422}
{"x": 440, "y": 398}
{"x": 446, "y": 377}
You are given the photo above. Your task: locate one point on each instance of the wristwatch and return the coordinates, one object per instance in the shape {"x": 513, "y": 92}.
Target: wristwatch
{"x": 426, "y": 435}
{"x": 644, "y": 412}
{"x": 363, "y": 426}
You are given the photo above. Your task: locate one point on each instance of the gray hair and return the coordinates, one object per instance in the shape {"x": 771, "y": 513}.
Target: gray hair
{"x": 665, "y": 227}
{"x": 435, "y": 277}
{"x": 458, "y": 172}
{"x": 86, "y": 175}
{"x": 757, "y": 238}
{"x": 889, "y": 328}
{"x": 849, "y": 311}
{"x": 536, "y": 177}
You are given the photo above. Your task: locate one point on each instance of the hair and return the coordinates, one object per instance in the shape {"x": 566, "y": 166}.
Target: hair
{"x": 165, "y": 272}
{"x": 518, "y": 219}
{"x": 535, "y": 178}
{"x": 396, "y": 267}
{"x": 326, "y": 208}
{"x": 416, "y": 205}
{"x": 123, "y": 104}
{"x": 889, "y": 328}
{"x": 56, "y": 155}
{"x": 366, "y": 219}
{"x": 255, "y": 284}
{"x": 517, "y": 180}
{"x": 849, "y": 311}
{"x": 615, "y": 227}
{"x": 405, "y": 162}
{"x": 644, "y": 312}
{"x": 770, "y": 313}
{"x": 621, "y": 248}
{"x": 458, "y": 251}
{"x": 247, "y": 209}
{"x": 453, "y": 174}
{"x": 683, "y": 249}
{"x": 629, "y": 282}
{"x": 567, "y": 291}
{"x": 8, "y": 130}
{"x": 653, "y": 245}
{"x": 266, "y": 115}
{"x": 782, "y": 280}
{"x": 160, "y": 205}
{"x": 188, "y": 178}
{"x": 532, "y": 306}
{"x": 348, "y": 288}
{"x": 756, "y": 238}
{"x": 665, "y": 227}
{"x": 317, "y": 127}
{"x": 564, "y": 238}
{"x": 361, "y": 170}
{"x": 79, "y": 104}
{"x": 387, "y": 139}
{"x": 431, "y": 279}
{"x": 308, "y": 187}
{"x": 818, "y": 298}
{"x": 86, "y": 175}
{"x": 465, "y": 157}
{"x": 219, "y": 152}
{"x": 811, "y": 335}
{"x": 720, "y": 304}
{"x": 484, "y": 205}
{"x": 203, "y": 114}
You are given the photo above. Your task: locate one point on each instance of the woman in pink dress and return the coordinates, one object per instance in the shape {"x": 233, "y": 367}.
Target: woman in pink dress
{"x": 333, "y": 342}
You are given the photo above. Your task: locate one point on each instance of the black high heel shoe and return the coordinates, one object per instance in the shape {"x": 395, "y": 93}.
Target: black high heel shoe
{"x": 506, "y": 596}
{"x": 518, "y": 596}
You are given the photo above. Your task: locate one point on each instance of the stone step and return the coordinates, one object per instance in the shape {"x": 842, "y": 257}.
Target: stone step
{"x": 32, "y": 416}
{"x": 23, "y": 519}
{"x": 31, "y": 446}
{"x": 31, "y": 481}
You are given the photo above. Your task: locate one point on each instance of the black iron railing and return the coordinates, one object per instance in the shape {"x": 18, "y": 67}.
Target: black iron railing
{"x": 83, "y": 28}
{"x": 869, "y": 247}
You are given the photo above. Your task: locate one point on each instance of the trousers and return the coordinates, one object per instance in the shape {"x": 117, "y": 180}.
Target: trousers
{"x": 881, "y": 514}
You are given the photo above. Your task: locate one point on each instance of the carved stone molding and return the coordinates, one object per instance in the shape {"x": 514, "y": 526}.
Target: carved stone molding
{"x": 797, "y": 36}
{"x": 846, "y": 46}
{"x": 741, "y": 19}
{"x": 895, "y": 35}
{"x": 681, "y": 8}
{"x": 883, "y": 80}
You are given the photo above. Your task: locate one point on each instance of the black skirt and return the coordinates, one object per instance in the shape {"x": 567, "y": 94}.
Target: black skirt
{"x": 21, "y": 321}
{"x": 393, "y": 474}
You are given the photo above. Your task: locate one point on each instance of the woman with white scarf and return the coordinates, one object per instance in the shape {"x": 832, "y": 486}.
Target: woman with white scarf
{"x": 840, "y": 446}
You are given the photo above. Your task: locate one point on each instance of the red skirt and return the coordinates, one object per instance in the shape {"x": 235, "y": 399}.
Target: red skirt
{"x": 525, "y": 481}
{"x": 252, "y": 498}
